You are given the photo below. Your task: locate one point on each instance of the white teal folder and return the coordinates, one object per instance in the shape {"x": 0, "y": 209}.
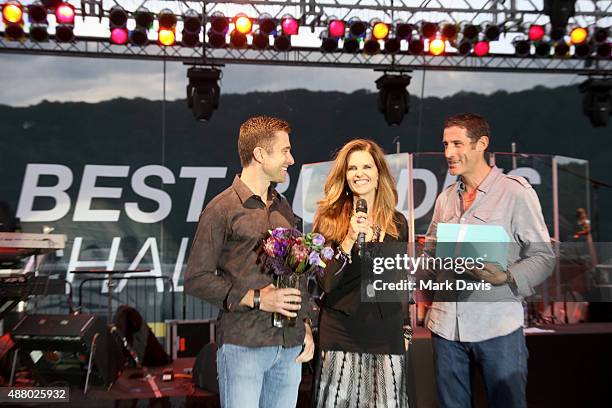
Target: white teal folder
{"x": 489, "y": 242}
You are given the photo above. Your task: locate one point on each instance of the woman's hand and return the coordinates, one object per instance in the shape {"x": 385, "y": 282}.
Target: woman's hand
{"x": 358, "y": 224}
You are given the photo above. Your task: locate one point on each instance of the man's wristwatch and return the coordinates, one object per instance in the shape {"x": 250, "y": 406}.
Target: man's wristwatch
{"x": 256, "y": 299}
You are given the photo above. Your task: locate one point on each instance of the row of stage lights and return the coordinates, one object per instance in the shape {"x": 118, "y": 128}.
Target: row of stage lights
{"x": 351, "y": 36}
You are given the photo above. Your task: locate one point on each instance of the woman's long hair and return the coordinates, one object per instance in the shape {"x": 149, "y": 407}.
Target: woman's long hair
{"x": 332, "y": 218}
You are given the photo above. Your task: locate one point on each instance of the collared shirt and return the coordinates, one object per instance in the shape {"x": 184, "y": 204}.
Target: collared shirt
{"x": 223, "y": 266}
{"x": 511, "y": 202}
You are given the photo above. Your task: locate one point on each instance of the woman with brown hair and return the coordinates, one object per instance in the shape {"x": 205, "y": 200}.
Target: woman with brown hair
{"x": 362, "y": 358}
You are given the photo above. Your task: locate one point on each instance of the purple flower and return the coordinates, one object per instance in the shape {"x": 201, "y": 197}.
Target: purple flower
{"x": 280, "y": 248}
{"x": 318, "y": 239}
{"x": 327, "y": 253}
{"x": 313, "y": 258}
{"x": 278, "y": 232}
{"x": 277, "y": 266}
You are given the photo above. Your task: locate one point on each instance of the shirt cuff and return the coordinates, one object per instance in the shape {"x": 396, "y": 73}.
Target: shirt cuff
{"x": 234, "y": 296}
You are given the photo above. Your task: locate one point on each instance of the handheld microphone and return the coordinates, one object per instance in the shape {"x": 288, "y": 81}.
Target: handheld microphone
{"x": 362, "y": 206}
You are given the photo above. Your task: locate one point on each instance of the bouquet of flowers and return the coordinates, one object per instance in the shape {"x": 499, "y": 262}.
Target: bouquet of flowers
{"x": 291, "y": 255}
{"x": 288, "y": 251}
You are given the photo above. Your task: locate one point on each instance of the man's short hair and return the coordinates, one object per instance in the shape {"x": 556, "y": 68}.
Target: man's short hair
{"x": 475, "y": 125}
{"x": 258, "y": 132}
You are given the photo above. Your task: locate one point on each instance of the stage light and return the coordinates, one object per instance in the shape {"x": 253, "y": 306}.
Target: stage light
{"x": 380, "y": 30}
{"x": 481, "y": 48}
{"x": 289, "y": 25}
{"x": 167, "y": 19}
{"x": 579, "y": 35}
{"x": 64, "y": 33}
{"x": 119, "y": 35}
{"x": 12, "y": 16}
{"x": 536, "y": 32}
{"x": 559, "y": 11}
{"x": 218, "y": 23}
{"x": 582, "y": 50}
{"x": 144, "y": 21}
{"x": 404, "y": 31}
{"x": 351, "y": 45}
{"x": 203, "y": 92}
{"x": 371, "y": 46}
{"x": 37, "y": 13}
{"x": 357, "y": 28}
{"x": 437, "y": 46}
{"x": 522, "y": 48}
{"x": 192, "y": 26}
{"x": 492, "y": 32}
{"x": 429, "y": 30}
{"x": 117, "y": 20}
{"x": 597, "y": 101}
{"x": 561, "y": 49}
{"x": 238, "y": 39}
{"x": 393, "y": 98}
{"x": 216, "y": 40}
{"x": 267, "y": 24}
{"x": 464, "y": 47}
{"x": 12, "y": 13}
{"x": 143, "y": 18}
{"x": 604, "y": 50}
{"x": 600, "y": 34}
{"x": 39, "y": 33}
{"x": 392, "y": 45}
{"x": 542, "y": 49}
{"x": 64, "y": 14}
{"x": 470, "y": 32}
{"x": 261, "y": 41}
{"x": 166, "y": 37}
{"x": 139, "y": 36}
{"x": 328, "y": 43}
{"x": 282, "y": 43}
{"x": 416, "y": 46}
{"x": 167, "y": 26}
{"x": 449, "y": 31}
{"x": 118, "y": 16}
{"x": 243, "y": 24}
{"x": 336, "y": 28}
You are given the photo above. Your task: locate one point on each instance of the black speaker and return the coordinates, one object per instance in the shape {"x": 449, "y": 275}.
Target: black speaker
{"x": 139, "y": 337}
{"x": 204, "y": 373}
{"x": 71, "y": 348}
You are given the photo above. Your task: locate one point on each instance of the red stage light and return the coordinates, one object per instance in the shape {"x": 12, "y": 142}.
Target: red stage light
{"x": 243, "y": 24}
{"x": 290, "y": 25}
{"x": 536, "y": 32}
{"x": 437, "y": 46}
{"x": 64, "y": 14}
{"x": 481, "y": 48}
{"x": 119, "y": 35}
{"x": 337, "y": 28}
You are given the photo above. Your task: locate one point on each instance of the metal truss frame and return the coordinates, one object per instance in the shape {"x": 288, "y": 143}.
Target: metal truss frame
{"x": 314, "y": 13}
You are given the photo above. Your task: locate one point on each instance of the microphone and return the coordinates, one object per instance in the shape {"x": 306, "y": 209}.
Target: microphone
{"x": 362, "y": 206}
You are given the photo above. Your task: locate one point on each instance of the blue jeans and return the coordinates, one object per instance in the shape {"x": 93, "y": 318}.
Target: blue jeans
{"x": 503, "y": 362}
{"x": 252, "y": 377}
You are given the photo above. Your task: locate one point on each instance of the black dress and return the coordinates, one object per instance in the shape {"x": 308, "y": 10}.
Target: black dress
{"x": 362, "y": 361}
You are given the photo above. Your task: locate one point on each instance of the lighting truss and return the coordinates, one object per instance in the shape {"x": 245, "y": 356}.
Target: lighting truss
{"x": 513, "y": 16}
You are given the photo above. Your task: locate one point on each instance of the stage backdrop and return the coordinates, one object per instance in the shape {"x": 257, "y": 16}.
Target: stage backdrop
{"x": 125, "y": 180}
